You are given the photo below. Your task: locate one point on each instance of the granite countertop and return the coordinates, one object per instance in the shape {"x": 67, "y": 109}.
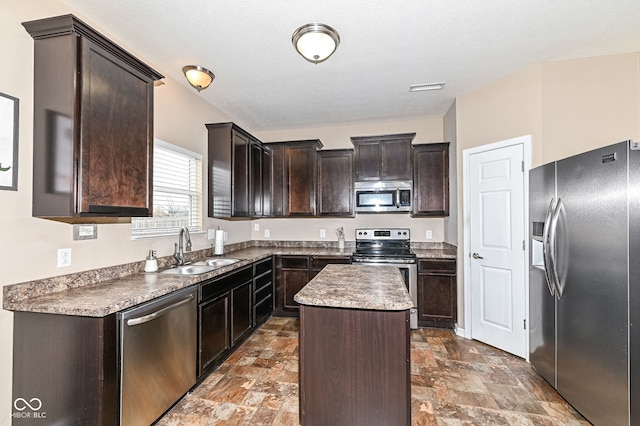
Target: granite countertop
{"x": 101, "y": 292}
{"x": 379, "y": 288}
{"x": 105, "y": 297}
{"x": 445, "y": 253}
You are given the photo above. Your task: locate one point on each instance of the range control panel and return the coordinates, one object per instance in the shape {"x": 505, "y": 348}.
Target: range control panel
{"x": 383, "y": 234}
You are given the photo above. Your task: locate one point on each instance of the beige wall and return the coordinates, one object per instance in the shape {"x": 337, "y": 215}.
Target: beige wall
{"x": 449, "y": 125}
{"x": 568, "y": 107}
{"x": 589, "y": 103}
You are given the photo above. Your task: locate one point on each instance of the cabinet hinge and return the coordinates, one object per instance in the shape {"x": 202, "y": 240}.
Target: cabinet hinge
{"x": 524, "y": 245}
{"x": 522, "y": 166}
{"x": 525, "y": 324}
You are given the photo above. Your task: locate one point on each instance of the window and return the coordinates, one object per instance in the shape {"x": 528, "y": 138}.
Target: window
{"x": 177, "y": 192}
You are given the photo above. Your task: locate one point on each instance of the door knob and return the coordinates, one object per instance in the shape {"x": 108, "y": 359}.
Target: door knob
{"x": 477, "y": 256}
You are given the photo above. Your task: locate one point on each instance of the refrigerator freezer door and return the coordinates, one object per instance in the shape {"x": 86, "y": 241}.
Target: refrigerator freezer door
{"x": 592, "y": 262}
{"x": 634, "y": 284}
{"x": 542, "y": 308}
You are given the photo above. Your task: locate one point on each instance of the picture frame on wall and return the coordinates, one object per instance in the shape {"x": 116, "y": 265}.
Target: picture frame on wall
{"x": 8, "y": 142}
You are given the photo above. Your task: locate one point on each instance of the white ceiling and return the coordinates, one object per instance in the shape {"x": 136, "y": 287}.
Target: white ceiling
{"x": 386, "y": 45}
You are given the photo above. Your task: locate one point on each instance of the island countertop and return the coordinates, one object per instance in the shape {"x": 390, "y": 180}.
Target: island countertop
{"x": 357, "y": 287}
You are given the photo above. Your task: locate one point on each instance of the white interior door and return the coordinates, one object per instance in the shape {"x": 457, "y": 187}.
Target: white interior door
{"x": 497, "y": 249}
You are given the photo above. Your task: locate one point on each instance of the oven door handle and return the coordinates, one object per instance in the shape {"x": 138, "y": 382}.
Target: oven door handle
{"x": 382, "y": 262}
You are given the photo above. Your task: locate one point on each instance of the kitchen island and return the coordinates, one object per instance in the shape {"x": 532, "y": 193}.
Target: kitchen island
{"x": 354, "y": 347}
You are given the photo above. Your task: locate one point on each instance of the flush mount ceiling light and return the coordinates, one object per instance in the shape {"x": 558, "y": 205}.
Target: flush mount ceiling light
{"x": 425, "y": 87}
{"x": 200, "y": 78}
{"x": 315, "y": 42}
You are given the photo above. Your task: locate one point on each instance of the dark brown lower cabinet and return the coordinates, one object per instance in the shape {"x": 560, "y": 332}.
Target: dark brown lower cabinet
{"x": 69, "y": 364}
{"x": 241, "y": 311}
{"x": 354, "y": 367}
{"x": 262, "y": 291}
{"x": 294, "y": 272}
{"x": 319, "y": 262}
{"x": 225, "y": 316}
{"x": 229, "y": 311}
{"x": 437, "y": 300}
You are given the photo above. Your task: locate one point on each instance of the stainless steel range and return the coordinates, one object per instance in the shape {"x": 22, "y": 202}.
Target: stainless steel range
{"x": 390, "y": 247}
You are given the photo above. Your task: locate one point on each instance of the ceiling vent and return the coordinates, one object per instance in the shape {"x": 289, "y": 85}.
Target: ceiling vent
{"x": 428, "y": 86}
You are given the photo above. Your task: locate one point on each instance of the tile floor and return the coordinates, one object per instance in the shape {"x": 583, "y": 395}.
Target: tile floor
{"x": 455, "y": 381}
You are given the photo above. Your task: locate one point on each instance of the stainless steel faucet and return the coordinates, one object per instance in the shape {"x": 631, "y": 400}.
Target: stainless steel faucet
{"x": 179, "y": 248}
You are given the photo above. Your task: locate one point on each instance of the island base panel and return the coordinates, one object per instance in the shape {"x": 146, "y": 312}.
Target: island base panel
{"x": 354, "y": 367}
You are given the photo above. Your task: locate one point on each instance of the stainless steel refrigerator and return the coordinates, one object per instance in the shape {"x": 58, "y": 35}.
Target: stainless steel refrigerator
{"x": 584, "y": 287}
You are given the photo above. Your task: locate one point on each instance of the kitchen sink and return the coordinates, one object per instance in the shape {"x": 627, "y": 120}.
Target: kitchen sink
{"x": 217, "y": 263}
{"x": 200, "y": 267}
{"x": 188, "y": 270}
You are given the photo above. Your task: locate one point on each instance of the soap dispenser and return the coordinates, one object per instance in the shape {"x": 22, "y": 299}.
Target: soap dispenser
{"x": 151, "y": 264}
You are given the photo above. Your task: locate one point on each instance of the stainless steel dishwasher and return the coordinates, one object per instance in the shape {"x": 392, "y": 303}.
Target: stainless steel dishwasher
{"x": 157, "y": 356}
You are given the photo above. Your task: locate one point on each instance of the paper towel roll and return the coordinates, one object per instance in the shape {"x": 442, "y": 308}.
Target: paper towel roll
{"x": 219, "y": 242}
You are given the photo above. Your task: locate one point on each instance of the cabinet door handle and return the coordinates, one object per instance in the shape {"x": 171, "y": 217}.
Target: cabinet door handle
{"x": 477, "y": 256}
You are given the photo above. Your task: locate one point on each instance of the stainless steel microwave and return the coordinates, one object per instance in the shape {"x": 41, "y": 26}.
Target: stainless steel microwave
{"x": 383, "y": 196}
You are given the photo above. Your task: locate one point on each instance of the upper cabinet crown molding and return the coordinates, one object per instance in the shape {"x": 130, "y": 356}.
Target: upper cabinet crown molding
{"x": 69, "y": 24}
{"x": 93, "y": 125}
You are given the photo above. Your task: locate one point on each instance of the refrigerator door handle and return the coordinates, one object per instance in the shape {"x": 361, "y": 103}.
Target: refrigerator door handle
{"x": 546, "y": 246}
{"x": 552, "y": 245}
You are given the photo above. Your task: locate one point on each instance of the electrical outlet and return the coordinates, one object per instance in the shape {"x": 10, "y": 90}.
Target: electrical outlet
{"x": 323, "y": 233}
{"x": 64, "y": 257}
{"x": 226, "y": 235}
{"x": 256, "y": 227}
{"x": 211, "y": 234}
{"x": 429, "y": 234}
{"x": 267, "y": 234}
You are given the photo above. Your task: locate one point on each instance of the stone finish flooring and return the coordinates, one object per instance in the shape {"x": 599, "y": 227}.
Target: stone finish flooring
{"x": 455, "y": 381}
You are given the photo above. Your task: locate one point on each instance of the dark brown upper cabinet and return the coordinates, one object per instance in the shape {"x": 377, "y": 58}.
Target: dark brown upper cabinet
{"x": 335, "y": 183}
{"x": 235, "y": 172}
{"x": 294, "y": 177}
{"x": 256, "y": 208}
{"x": 267, "y": 172}
{"x": 431, "y": 179}
{"x": 93, "y": 125}
{"x": 386, "y": 157}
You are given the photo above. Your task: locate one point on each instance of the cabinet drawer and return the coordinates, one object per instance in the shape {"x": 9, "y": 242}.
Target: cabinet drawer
{"x": 320, "y": 262}
{"x": 217, "y": 285}
{"x": 295, "y": 262}
{"x": 261, "y": 267}
{"x": 262, "y": 281}
{"x": 262, "y": 292}
{"x": 437, "y": 265}
{"x": 262, "y": 310}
